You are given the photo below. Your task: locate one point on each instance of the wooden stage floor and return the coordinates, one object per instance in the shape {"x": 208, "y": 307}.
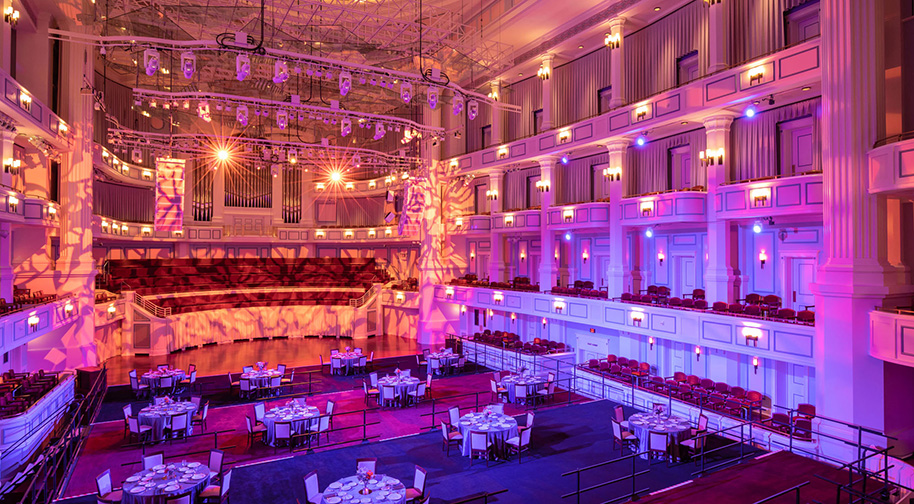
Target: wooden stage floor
{"x": 221, "y": 359}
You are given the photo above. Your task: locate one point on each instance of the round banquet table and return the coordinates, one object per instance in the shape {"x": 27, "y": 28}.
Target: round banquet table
{"x": 165, "y": 482}
{"x": 261, "y": 378}
{"x": 676, "y": 428}
{"x": 348, "y": 360}
{"x": 300, "y": 416}
{"x": 401, "y": 385}
{"x": 158, "y": 416}
{"x": 154, "y": 378}
{"x": 445, "y": 360}
{"x": 385, "y": 489}
{"x": 498, "y": 428}
{"x": 532, "y": 382}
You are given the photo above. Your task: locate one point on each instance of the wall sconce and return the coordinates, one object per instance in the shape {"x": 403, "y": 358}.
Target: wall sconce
{"x": 641, "y": 112}
{"x": 523, "y": 255}
{"x": 400, "y": 297}
{"x": 463, "y": 309}
{"x": 10, "y": 165}
{"x": 650, "y": 341}
{"x": 613, "y": 41}
{"x": 509, "y": 220}
{"x": 498, "y": 297}
{"x": 125, "y": 169}
{"x": 13, "y": 203}
{"x": 62, "y": 128}
{"x": 513, "y": 317}
{"x": 350, "y": 186}
{"x": 564, "y": 136}
{"x": 647, "y": 208}
{"x": 454, "y": 164}
{"x": 33, "y": 322}
{"x": 52, "y": 211}
{"x": 320, "y": 187}
{"x": 11, "y": 16}
{"x": 502, "y": 152}
{"x": 760, "y": 196}
{"x": 458, "y": 223}
{"x": 585, "y": 256}
{"x": 348, "y": 234}
{"x": 449, "y": 293}
{"x": 178, "y": 233}
{"x": 25, "y": 100}
{"x": 124, "y": 229}
{"x": 544, "y": 72}
{"x": 559, "y": 305}
{"x": 762, "y": 257}
{"x": 147, "y": 175}
{"x": 388, "y": 232}
{"x": 544, "y": 322}
{"x": 472, "y": 255}
{"x": 105, "y": 226}
{"x": 493, "y": 95}
{"x": 112, "y": 311}
{"x": 372, "y": 233}
{"x": 568, "y": 214}
{"x": 660, "y": 257}
{"x": 492, "y": 194}
{"x": 755, "y": 364}
{"x": 710, "y": 158}
{"x": 491, "y": 314}
{"x": 320, "y": 234}
{"x": 613, "y": 174}
{"x": 542, "y": 186}
{"x": 713, "y": 2}
{"x": 697, "y": 353}
{"x": 372, "y": 184}
{"x": 147, "y": 231}
{"x": 388, "y": 180}
{"x": 637, "y": 317}
{"x": 756, "y": 75}
{"x": 752, "y": 334}
{"x": 68, "y": 309}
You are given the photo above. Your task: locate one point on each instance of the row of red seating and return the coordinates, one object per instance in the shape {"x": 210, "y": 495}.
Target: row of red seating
{"x": 20, "y": 390}
{"x": 185, "y": 304}
{"x": 518, "y": 284}
{"x": 750, "y": 310}
{"x": 512, "y": 341}
{"x": 580, "y": 292}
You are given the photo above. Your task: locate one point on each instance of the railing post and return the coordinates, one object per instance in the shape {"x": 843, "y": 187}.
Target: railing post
{"x": 364, "y": 425}
{"x": 579, "y": 486}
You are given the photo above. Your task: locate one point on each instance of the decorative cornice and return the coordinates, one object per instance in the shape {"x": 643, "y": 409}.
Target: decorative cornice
{"x": 7, "y": 123}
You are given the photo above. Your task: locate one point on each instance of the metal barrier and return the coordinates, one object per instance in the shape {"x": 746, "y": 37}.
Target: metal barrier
{"x": 795, "y": 489}
{"x": 151, "y": 307}
{"x": 627, "y": 496}
{"x": 484, "y": 497}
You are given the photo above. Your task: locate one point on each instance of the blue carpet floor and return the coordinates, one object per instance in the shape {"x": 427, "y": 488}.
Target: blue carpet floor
{"x": 563, "y": 439}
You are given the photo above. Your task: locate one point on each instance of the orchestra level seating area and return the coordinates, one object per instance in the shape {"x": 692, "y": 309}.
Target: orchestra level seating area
{"x": 184, "y": 304}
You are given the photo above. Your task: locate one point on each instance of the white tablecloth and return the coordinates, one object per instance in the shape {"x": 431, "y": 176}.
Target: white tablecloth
{"x": 348, "y": 360}
{"x": 301, "y": 418}
{"x": 385, "y": 490}
{"x": 154, "y": 378}
{"x": 401, "y": 387}
{"x": 444, "y": 360}
{"x": 261, "y": 378}
{"x": 496, "y": 426}
{"x": 533, "y": 383}
{"x": 676, "y": 428}
{"x": 159, "y": 416}
{"x": 166, "y": 482}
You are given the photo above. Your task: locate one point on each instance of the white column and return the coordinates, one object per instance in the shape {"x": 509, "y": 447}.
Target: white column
{"x": 547, "y": 236}
{"x": 617, "y": 273}
{"x": 719, "y": 277}
{"x": 277, "y": 198}
{"x": 7, "y": 278}
{"x": 617, "y": 63}
{"x": 856, "y": 276}
{"x": 219, "y": 196}
{"x": 496, "y": 264}
{"x": 718, "y": 35}
{"x": 497, "y": 115}
{"x": 547, "y": 92}
{"x": 307, "y": 199}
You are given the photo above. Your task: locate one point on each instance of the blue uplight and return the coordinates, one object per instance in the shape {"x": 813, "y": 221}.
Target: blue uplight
{"x": 649, "y": 232}
{"x": 641, "y": 141}
{"x": 565, "y": 159}
{"x": 567, "y": 236}
{"x": 750, "y": 112}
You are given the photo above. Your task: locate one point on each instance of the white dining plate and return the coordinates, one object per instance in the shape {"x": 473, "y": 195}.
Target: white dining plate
{"x": 335, "y": 484}
{"x": 373, "y": 481}
{"x": 133, "y": 478}
{"x": 393, "y": 481}
{"x": 162, "y": 485}
{"x": 334, "y": 500}
{"x": 483, "y": 427}
{"x": 159, "y": 467}
{"x": 194, "y": 464}
{"x": 172, "y": 488}
{"x": 346, "y": 497}
{"x": 393, "y": 497}
{"x": 137, "y": 489}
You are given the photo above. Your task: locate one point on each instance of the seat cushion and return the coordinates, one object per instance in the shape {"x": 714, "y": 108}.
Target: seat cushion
{"x": 260, "y": 428}
{"x": 412, "y": 493}
{"x": 628, "y": 435}
{"x": 114, "y": 496}
{"x": 211, "y": 491}
{"x": 144, "y": 428}
{"x": 454, "y": 435}
{"x": 513, "y": 441}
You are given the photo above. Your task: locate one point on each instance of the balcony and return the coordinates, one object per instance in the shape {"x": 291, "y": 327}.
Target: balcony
{"x": 32, "y": 117}
{"x": 517, "y": 222}
{"x": 469, "y": 224}
{"x": 22, "y": 326}
{"x": 892, "y": 336}
{"x": 663, "y": 208}
{"x": 121, "y": 170}
{"x": 20, "y": 208}
{"x": 754, "y": 199}
{"x": 579, "y": 216}
{"x": 891, "y": 167}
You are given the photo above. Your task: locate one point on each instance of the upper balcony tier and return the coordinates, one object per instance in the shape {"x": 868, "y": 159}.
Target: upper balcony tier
{"x": 30, "y": 116}
{"x": 664, "y": 208}
{"x": 753, "y": 199}
{"x": 19, "y": 208}
{"x": 892, "y": 167}
{"x": 892, "y": 335}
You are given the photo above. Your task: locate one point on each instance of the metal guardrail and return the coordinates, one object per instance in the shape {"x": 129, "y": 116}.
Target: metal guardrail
{"x": 795, "y": 489}
{"x": 484, "y": 497}
{"x": 151, "y": 307}
{"x": 627, "y": 496}
{"x": 362, "y": 301}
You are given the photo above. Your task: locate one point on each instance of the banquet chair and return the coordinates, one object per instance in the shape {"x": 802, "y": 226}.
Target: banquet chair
{"x": 253, "y": 430}
{"x": 694, "y": 446}
{"x": 334, "y": 351}
{"x": 370, "y": 361}
{"x": 190, "y": 382}
{"x": 357, "y": 350}
{"x": 434, "y": 366}
{"x": 329, "y": 413}
{"x": 620, "y": 436}
{"x": 417, "y": 394}
{"x": 528, "y": 423}
{"x": 453, "y": 414}
{"x": 287, "y": 381}
{"x": 282, "y": 431}
{"x": 390, "y": 395}
{"x": 136, "y": 429}
{"x": 702, "y": 426}
{"x": 247, "y": 369}
{"x": 428, "y": 386}
{"x": 218, "y": 493}
{"x": 281, "y": 368}
{"x": 450, "y": 437}
{"x": 199, "y": 417}
{"x": 105, "y": 493}
{"x": 128, "y": 412}
{"x": 232, "y": 384}
{"x": 498, "y": 392}
{"x": 139, "y": 389}
{"x": 461, "y": 365}
{"x": 520, "y": 394}
{"x": 166, "y": 386}
{"x": 181, "y": 499}
{"x": 275, "y": 385}
{"x": 336, "y": 366}
{"x": 658, "y": 445}
{"x": 619, "y": 413}
{"x": 519, "y": 443}
{"x": 417, "y": 491}
{"x": 162, "y": 367}
{"x": 312, "y": 488}
{"x": 191, "y": 368}
{"x": 367, "y": 464}
{"x": 370, "y": 392}
{"x": 373, "y": 380}
{"x": 323, "y": 426}
{"x": 153, "y": 459}
{"x": 246, "y": 389}
{"x": 323, "y": 363}
{"x": 259, "y": 412}
{"x": 158, "y": 400}
{"x": 178, "y": 427}
{"x": 496, "y": 408}
{"x": 406, "y": 373}
{"x": 480, "y": 446}
{"x": 363, "y": 363}
{"x": 547, "y": 393}
{"x": 215, "y": 463}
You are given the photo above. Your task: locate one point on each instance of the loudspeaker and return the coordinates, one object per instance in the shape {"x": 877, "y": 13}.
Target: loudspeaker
{"x": 389, "y": 217}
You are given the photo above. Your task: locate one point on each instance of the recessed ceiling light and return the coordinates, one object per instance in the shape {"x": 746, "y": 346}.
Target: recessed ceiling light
{"x": 684, "y": 122}
{"x": 520, "y": 74}
{"x": 806, "y": 88}
{"x": 581, "y": 46}
{"x": 656, "y": 9}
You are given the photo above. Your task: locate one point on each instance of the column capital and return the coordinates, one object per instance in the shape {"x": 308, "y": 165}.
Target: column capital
{"x": 616, "y": 24}
{"x": 719, "y": 122}
{"x": 618, "y": 146}
{"x": 548, "y": 58}
{"x": 495, "y": 173}
{"x": 547, "y": 162}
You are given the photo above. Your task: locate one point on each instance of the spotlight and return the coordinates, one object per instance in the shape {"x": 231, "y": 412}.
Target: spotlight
{"x": 274, "y": 170}
{"x": 757, "y": 227}
{"x": 151, "y": 61}
{"x": 641, "y": 141}
{"x": 241, "y": 115}
{"x": 280, "y": 72}
{"x": 565, "y": 159}
{"x": 432, "y": 97}
{"x": 567, "y": 236}
{"x": 137, "y": 156}
{"x": 188, "y": 64}
{"x": 750, "y": 112}
{"x": 472, "y": 109}
{"x": 345, "y": 83}
{"x": 771, "y": 100}
{"x": 379, "y": 131}
{"x": 242, "y": 66}
{"x": 649, "y": 232}
{"x": 406, "y": 92}
{"x": 457, "y": 106}
{"x": 345, "y": 127}
{"x": 203, "y": 111}
{"x": 335, "y": 176}
{"x": 222, "y": 155}
{"x": 282, "y": 119}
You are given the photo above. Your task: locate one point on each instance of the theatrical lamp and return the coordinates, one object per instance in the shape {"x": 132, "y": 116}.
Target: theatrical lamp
{"x": 112, "y": 310}
{"x": 564, "y": 136}
{"x": 124, "y": 229}
{"x": 151, "y": 61}
{"x": 400, "y": 297}
{"x": 647, "y": 208}
{"x": 146, "y": 231}
{"x": 282, "y": 119}
{"x": 513, "y": 317}
{"x": 388, "y": 232}
{"x": 348, "y": 234}
{"x": 637, "y": 317}
{"x": 372, "y": 233}
{"x": 558, "y": 305}
{"x": 710, "y": 158}
{"x": 585, "y": 256}
{"x": 641, "y": 112}
{"x": 568, "y": 215}
{"x": 752, "y": 334}
{"x": 242, "y": 66}
{"x": 612, "y": 41}
{"x": 649, "y": 232}
{"x": 650, "y": 341}
{"x": 241, "y": 115}
{"x": 502, "y": 152}
{"x": 52, "y": 211}
{"x": 33, "y": 322}
{"x": 345, "y": 127}
{"x": 458, "y": 223}
{"x": 345, "y": 83}
{"x": 432, "y": 97}
{"x": 13, "y": 203}
{"x": 280, "y": 72}
{"x": 319, "y": 234}
{"x": 544, "y": 72}
{"x": 68, "y": 309}
{"x": 25, "y": 101}
{"x": 203, "y": 111}
{"x": 275, "y": 171}
{"x": 544, "y": 322}
{"x": 493, "y": 95}
{"x": 492, "y": 194}
{"x": 406, "y": 92}
{"x": 188, "y": 64}
{"x": 11, "y": 15}
{"x": 472, "y": 109}
{"x": 759, "y": 196}
{"x": 762, "y": 257}
{"x": 457, "y": 104}
{"x": 509, "y": 220}
{"x": 498, "y": 298}
{"x": 350, "y": 186}
{"x": 372, "y": 184}
{"x": 335, "y": 176}
{"x": 379, "y": 131}
{"x": 757, "y": 227}
{"x": 449, "y": 293}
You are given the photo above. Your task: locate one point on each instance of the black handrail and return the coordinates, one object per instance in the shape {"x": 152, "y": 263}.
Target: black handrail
{"x": 795, "y": 488}
{"x": 631, "y": 496}
{"x": 485, "y": 497}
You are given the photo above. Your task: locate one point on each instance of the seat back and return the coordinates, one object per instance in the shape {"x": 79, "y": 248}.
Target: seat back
{"x": 184, "y": 499}
{"x": 128, "y": 410}
{"x": 419, "y": 480}
{"x": 247, "y": 369}
{"x": 311, "y": 485}
{"x": 103, "y": 482}
{"x": 454, "y": 415}
{"x": 807, "y": 410}
{"x": 215, "y": 459}
{"x": 658, "y": 441}
{"x": 702, "y": 422}
{"x": 478, "y": 440}
{"x": 152, "y": 460}
{"x": 619, "y": 413}
{"x": 281, "y": 368}
{"x": 330, "y": 405}
{"x": 366, "y": 464}
{"x": 282, "y": 430}
{"x": 179, "y": 422}
{"x": 259, "y": 411}
{"x": 226, "y": 482}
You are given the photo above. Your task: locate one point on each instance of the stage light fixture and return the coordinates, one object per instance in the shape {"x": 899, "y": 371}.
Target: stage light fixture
{"x": 472, "y": 109}
{"x": 406, "y": 92}
{"x": 757, "y": 227}
{"x": 241, "y": 115}
{"x": 222, "y": 155}
{"x": 345, "y": 127}
{"x": 457, "y": 105}
{"x": 379, "y": 131}
{"x": 151, "y": 61}
{"x": 280, "y": 72}
{"x": 282, "y": 119}
{"x": 649, "y": 232}
{"x": 242, "y": 66}
{"x": 432, "y": 97}
{"x": 335, "y": 176}
{"x": 188, "y": 64}
{"x": 345, "y": 83}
